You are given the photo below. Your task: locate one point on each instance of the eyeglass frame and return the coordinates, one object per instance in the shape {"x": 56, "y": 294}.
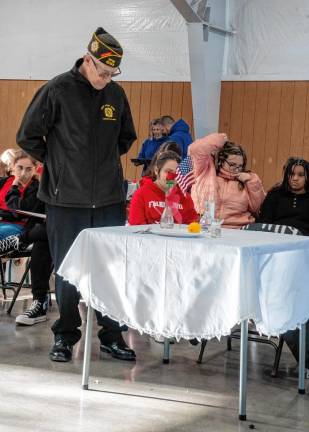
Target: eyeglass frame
{"x": 105, "y": 74}
{"x": 234, "y": 166}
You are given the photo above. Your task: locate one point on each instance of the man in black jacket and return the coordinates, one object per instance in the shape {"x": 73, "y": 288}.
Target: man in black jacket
{"x": 78, "y": 125}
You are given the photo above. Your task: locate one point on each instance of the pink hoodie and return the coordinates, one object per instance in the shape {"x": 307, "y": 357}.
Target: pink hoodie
{"x": 233, "y": 205}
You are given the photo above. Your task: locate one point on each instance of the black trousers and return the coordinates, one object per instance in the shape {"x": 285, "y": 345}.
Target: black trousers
{"x": 41, "y": 262}
{"x": 41, "y": 267}
{"x": 63, "y": 226}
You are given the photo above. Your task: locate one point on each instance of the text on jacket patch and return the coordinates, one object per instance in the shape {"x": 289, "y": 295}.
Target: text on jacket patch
{"x": 153, "y": 204}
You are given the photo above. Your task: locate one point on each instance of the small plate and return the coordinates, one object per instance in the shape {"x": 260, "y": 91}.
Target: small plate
{"x": 175, "y": 232}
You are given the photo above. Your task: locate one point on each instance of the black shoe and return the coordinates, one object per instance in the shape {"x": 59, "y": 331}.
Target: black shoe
{"x": 61, "y": 351}
{"x": 194, "y": 342}
{"x": 118, "y": 352}
{"x": 113, "y": 343}
{"x": 35, "y": 314}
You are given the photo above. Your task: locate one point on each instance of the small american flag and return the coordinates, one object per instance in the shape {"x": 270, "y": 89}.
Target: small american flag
{"x": 185, "y": 175}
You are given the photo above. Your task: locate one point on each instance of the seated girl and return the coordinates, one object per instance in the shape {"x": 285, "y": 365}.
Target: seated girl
{"x": 148, "y": 202}
{"x": 288, "y": 204}
{"x": 18, "y": 192}
{"x": 167, "y": 146}
{"x": 221, "y": 176}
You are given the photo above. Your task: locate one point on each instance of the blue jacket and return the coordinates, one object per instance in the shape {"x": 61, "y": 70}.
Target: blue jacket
{"x": 150, "y": 146}
{"x": 180, "y": 133}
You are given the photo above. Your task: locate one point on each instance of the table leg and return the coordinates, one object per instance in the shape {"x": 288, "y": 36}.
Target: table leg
{"x": 243, "y": 370}
{"x": 166, "y": 354}
{"x": 301, "y": 362}
{"x": 87, "y": 349}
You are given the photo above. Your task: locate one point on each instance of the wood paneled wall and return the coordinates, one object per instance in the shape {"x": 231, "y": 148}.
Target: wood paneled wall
{"x": 148, "y": 100}
{"x": 270, "y": 119}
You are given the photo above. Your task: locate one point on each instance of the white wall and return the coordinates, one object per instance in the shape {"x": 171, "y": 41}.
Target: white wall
{"x": 42, "y": 38}
{"x": 272, "y": 40}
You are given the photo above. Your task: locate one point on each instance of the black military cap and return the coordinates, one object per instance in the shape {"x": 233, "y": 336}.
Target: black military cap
{"x": 105, "y": 48}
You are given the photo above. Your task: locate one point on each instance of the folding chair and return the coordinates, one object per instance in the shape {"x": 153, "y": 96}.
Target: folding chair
{"x": 14, "y": 286}
{"x": 26, "y": 253}
{"x": 254, "y": 336}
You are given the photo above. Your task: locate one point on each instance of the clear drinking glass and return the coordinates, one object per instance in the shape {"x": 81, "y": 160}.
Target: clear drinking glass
{"x": 215, "y": 228}
{"x": 208, "y": 215}
{"x": 167, "y": 218}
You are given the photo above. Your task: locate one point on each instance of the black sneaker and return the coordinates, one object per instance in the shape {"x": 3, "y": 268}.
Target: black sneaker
{"x": 35, "y": 314}
{"x": 9, "y": 244}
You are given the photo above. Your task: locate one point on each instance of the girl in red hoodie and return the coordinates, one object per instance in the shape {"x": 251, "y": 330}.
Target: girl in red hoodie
{"x": 148, "y": 202}
{"x": 17, "y": 192}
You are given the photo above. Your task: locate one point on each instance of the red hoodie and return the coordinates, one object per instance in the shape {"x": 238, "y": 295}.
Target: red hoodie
{"x": 148, "y": 203}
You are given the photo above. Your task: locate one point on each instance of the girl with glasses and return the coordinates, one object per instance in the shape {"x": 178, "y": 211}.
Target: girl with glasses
{"x": 221, "y": 176}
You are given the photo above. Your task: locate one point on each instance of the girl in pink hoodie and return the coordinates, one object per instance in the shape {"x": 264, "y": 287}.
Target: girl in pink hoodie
{"x": 221, "y": 176}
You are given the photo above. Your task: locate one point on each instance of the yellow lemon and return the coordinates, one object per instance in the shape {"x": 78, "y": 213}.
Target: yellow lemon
{"x": 194, "y": 227}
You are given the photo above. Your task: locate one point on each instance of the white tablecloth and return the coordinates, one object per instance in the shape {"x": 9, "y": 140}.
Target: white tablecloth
{"x": 192, "y": 287}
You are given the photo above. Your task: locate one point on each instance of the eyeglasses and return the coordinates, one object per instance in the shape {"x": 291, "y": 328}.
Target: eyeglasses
{"x": 104, "y": 73}
{"x": 234, "y": 166}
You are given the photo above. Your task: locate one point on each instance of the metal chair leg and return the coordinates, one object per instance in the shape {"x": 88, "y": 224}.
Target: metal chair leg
{"x": 2, "y": 265}
{"x": 166, "y": 351}
{"x": 275, "y": 368}
{"x": 19, "y": 287}
{"x": 49, "y": 299}
{"x": 203, "y": 346}
{"x": 229, "y": 343}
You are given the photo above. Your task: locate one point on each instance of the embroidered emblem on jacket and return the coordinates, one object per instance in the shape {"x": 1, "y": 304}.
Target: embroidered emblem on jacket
{"x": 108, "y": 112}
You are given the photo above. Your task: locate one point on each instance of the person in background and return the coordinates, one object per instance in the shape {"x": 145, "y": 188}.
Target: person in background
{"x": 152, "y": 144}
{"x": 3, "y": 169}
{"x": 148, "y": 202}
{"x": 79, "y": 124}
{"x": 17, "y": 192}
{"x": 221, "y": 176}
{"x": 287, "y": 203}
{"x": 7, "y": 159}
{"x": 17, "y": 231}
{"x": 177, "y": 131}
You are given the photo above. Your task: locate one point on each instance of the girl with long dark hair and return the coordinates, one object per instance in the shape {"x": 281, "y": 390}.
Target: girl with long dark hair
{"x": 288, "y": 202}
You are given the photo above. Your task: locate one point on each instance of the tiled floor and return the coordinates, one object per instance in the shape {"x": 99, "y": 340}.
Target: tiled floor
{"x": 38, "y": 395}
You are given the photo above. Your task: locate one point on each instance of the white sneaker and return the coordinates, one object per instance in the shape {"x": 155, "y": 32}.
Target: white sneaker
{"x": 35, "y": 314}
{"x": 9, "y": 244}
